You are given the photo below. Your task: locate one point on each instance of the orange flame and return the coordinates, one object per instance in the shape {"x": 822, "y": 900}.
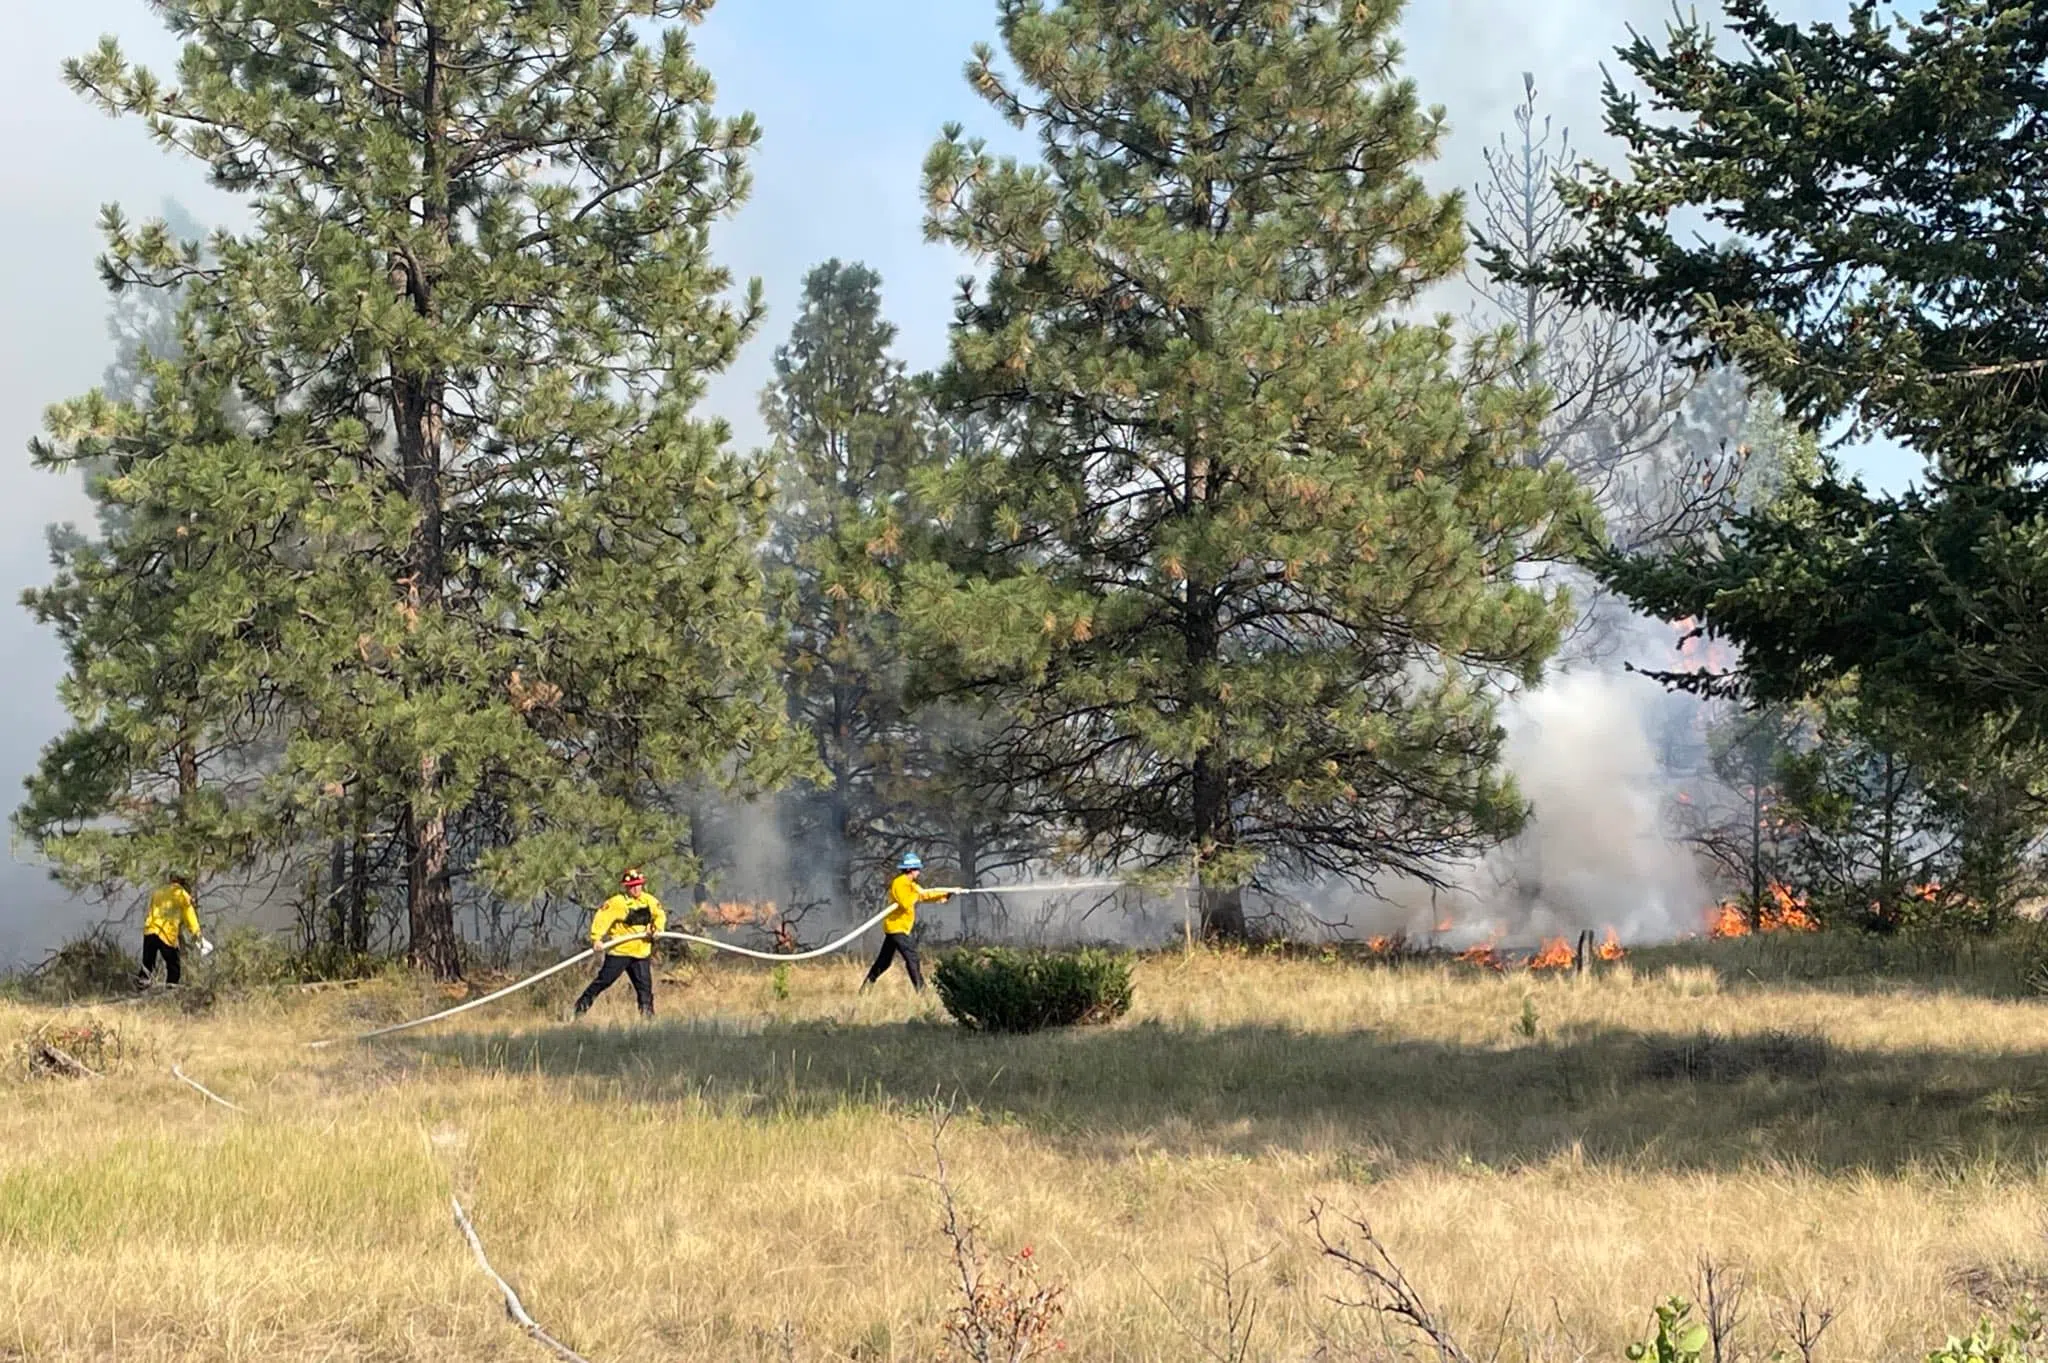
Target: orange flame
{"x": 1785, "y": 910}
{"x": 1380, "y": 946}
{"x": 1728, "y": 921}
{"x": 1486, "y": 954}
{"x": 736, "y": 913}
{"x": 1555, "y": 955}
{"x": 1610, "y": 949}
{"x": 1444, "y": 926}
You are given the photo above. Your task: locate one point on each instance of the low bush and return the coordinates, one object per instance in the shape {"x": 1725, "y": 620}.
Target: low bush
{"x": 996, "y": 989}
{"x": 2020, "y": 1341}
{"x": 247, "y": 958}
{"x": 88, "y": 966}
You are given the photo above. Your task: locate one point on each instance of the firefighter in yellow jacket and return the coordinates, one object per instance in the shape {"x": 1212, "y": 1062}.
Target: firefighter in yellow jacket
{"x": 627, "y": 918}
{"x": 172, "y": 916}
{"x": 905, "y": 894}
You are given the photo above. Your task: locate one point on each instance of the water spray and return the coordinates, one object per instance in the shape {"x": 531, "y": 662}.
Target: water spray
{"x": 1057, "y": 887}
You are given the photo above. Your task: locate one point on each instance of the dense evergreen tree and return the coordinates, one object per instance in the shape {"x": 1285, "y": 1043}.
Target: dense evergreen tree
{"x": 422, "y": 494}
{"x": 1249, "y": 545}
{"x": 1876, "y": 194}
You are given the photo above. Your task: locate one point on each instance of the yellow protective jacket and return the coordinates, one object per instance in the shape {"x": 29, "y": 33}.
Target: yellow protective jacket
{"x": 627, "y": 913}
{"x": 905, "y": 895}
{"x": 171, "y": 911}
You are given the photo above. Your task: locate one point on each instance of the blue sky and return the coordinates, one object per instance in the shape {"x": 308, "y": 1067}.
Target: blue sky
{"x": 850, "y": 97}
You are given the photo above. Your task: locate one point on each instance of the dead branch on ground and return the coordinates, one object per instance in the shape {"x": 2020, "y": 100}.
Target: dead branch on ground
{"x": 513, "y": 1307}
{"x": 188, "y": 1079}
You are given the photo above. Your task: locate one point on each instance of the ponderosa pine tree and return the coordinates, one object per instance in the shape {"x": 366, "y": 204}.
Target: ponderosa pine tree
{"x": 459, "y": 538}
{"x": 1249, "y": 555}
{"x": 176, "y": 755}
{"x": 849, "y": 431}
{"x": 853, "y": 433}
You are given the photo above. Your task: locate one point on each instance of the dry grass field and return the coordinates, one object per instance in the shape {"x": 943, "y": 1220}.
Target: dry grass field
{"x": 748, "y": 1177}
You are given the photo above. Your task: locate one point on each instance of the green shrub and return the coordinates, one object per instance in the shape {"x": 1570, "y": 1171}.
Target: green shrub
{"x": 996, "y": 989}
{"x": 2018, "y": 1342}
{"x": 246, "y": 958}
{"x": 329, "y": 961}
{"x": 1679, "y": 1338}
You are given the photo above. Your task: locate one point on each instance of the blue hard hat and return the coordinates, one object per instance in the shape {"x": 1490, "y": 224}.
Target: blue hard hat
{"x": 910, "y": 861}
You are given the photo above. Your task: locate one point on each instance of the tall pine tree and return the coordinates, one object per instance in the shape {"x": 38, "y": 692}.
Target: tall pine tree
{"x": 855, "y": 438}
{"x": 174, "y": 750}
{"x": 1615, "y": 391}
{"x": 459, "y": 539}
{"x": 1251, "y": 550}
{"x": 849, "y": 432}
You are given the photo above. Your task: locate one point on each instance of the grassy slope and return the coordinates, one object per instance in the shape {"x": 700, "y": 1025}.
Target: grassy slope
{"x": 681, "y": 1191}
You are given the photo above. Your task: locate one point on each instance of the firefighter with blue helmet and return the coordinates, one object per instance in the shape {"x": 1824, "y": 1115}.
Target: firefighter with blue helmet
{"x": 905, "y": 894}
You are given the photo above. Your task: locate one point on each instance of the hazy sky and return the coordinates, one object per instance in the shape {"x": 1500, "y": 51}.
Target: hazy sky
{"x": 850, "y": 97}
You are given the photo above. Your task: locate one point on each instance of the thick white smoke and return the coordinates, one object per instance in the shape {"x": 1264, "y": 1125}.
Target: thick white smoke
{"x": 1598, "y": 752}
{"x": 1597, "y": 852}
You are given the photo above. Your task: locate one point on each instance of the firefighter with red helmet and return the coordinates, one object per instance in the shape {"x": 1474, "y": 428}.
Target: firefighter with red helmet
{"x": 623, "y": 930}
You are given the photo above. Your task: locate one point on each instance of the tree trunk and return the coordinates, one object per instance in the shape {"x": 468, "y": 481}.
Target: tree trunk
{"x": 188, "y": 790}
{"x": 188, "y": 771}
{"x": 1887, "y": 857}
{"x": 1223, "y": 912}
{"x": 967, "y": 847}
{"x": 430, "y": 911}
{"x": 700, "y": 856}
{"x": 1210, "y": 826}
{"x": 841, "y": 817}
{"x": 840, "y": 763}
{"x": 1222, "y": 905}
{"x": 430, "y": 908}
{"x": 334, "y": 918}
{"x": 359, "y": 888}
{"x": 418, "y": 397}
{"x": 1756, "y": 852}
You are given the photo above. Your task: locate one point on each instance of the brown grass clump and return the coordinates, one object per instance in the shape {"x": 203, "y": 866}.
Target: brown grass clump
{"x": 1714, "y": 1057}
{"x": 748, "y": 1178}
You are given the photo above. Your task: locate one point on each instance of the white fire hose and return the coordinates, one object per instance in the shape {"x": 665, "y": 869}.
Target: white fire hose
{"x": 837, "y": 944}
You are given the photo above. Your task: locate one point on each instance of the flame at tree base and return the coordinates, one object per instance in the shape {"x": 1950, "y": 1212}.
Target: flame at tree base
{"x": 744, "y": 913}
{"x": 1783, "y": 910}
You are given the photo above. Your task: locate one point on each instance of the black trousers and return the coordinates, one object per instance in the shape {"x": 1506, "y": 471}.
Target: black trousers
{"x": 638, "y": 969}
{"x": 894, "y": 945}
{"x": 153, "y": 947}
